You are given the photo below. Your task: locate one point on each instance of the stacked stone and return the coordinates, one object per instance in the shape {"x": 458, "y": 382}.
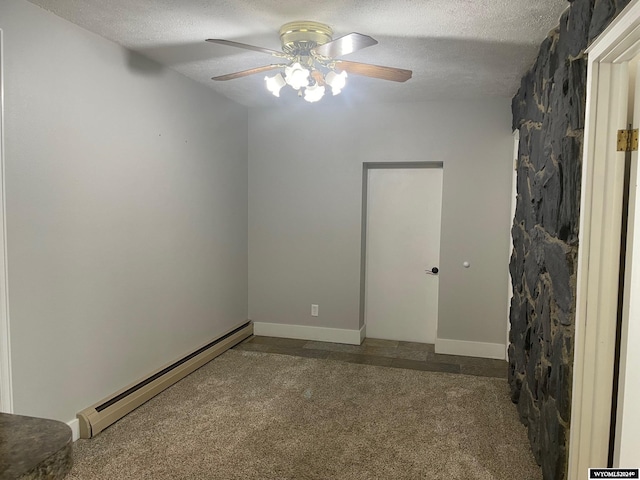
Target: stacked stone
{"x": 549, "y": 111}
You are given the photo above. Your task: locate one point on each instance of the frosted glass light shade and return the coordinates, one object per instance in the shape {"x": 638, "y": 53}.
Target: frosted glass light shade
{"x": 296, "y": 75}
{"x": 313, "y": 93}
{"x": 336, "y": 81}
{"x": 275, "y": 84}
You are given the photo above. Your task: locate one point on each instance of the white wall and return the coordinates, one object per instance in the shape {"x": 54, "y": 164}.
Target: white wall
{"x": 305, "y": 199}
{"x": 126, "y": 193}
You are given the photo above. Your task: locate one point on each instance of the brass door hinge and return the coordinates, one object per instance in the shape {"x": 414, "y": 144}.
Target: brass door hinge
{"x": 628, "y": 140}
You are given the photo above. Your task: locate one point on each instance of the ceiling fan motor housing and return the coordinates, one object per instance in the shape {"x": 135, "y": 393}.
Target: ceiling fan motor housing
{"x": 301, "y": 36}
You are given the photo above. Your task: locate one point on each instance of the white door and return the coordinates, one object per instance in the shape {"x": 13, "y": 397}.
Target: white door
{"x": 627, "y": 440}
{"x": 610, "y": 106}
{"x": 403, "y": 245}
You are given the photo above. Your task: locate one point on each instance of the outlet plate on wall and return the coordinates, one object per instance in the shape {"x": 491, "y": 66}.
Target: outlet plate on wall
{"x": 314, "y": 310}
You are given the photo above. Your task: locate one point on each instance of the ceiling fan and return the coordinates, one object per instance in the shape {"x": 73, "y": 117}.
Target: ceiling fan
{"x": 309, "y": 60}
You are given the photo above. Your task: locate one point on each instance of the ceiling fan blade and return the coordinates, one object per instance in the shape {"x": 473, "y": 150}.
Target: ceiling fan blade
{"x": 374, "y": 71}
{"x": 230, "y": 43}
{"x": 318, "y": 77}
{"x": 345, "y": 45}
{"x": 245, "y": 73}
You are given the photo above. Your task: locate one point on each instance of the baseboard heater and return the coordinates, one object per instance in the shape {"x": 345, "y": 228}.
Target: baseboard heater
{"x": 97, "y": 417}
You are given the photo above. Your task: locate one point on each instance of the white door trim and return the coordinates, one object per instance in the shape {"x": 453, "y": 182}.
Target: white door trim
{"x": 600, "y": 228}
{"x": 6, "y": 392}
{"x": 514, "y": 200}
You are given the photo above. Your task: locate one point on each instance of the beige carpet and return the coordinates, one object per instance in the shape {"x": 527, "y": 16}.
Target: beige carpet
{"x": 252, "y": 415}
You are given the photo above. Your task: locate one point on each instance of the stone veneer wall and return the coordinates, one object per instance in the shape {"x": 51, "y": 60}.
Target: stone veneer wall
{"x": 549, "y": 111}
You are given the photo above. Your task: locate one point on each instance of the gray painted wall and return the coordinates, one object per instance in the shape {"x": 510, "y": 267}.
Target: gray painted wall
{"x": 305, "y": 196}
{"x": 126, "y": 190}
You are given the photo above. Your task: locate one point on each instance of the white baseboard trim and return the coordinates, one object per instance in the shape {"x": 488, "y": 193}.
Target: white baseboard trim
{"x": 75, "y": 429}
{"x": 470, "y": 349}
{"x": 302, "y": 332}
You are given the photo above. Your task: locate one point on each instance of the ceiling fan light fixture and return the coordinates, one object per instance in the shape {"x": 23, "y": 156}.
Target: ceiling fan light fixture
{"x": 336, "y": 81}
{"x": 275, "y": 84}
{"x": 309, "y": 57}
{"x": 313, "y": 93}
{"x": 296, "y": 75}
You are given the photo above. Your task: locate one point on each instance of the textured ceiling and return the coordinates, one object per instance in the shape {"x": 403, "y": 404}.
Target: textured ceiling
{"x": 456, "y": 48}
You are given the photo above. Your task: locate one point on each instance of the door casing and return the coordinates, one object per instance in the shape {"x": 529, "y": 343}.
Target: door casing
{"x": 6, "y": 392}
{"x": 601, "y": 212}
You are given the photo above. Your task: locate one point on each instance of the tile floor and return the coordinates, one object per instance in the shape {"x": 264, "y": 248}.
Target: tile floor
{"x": 386, "y": 353}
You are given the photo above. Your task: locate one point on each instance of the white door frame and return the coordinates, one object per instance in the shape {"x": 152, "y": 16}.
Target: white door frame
{"x": 6, "y": 392}
{"x": 599, "y": 252}
{"x": 514, "y": 201}
{"x": 366, "y": 166}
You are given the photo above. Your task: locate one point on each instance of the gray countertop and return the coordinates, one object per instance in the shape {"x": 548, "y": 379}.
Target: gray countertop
{"x": 33, "y": 448}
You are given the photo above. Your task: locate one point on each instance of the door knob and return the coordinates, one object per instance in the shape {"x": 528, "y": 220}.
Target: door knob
{"x": 433, "y": 271}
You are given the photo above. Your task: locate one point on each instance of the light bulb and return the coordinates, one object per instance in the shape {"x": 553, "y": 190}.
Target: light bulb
{"x": 336, "y": 81}
{"x": 313, "y": 93}
{"x": 275, "y": 84}
{"x": 296, "y": 75}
